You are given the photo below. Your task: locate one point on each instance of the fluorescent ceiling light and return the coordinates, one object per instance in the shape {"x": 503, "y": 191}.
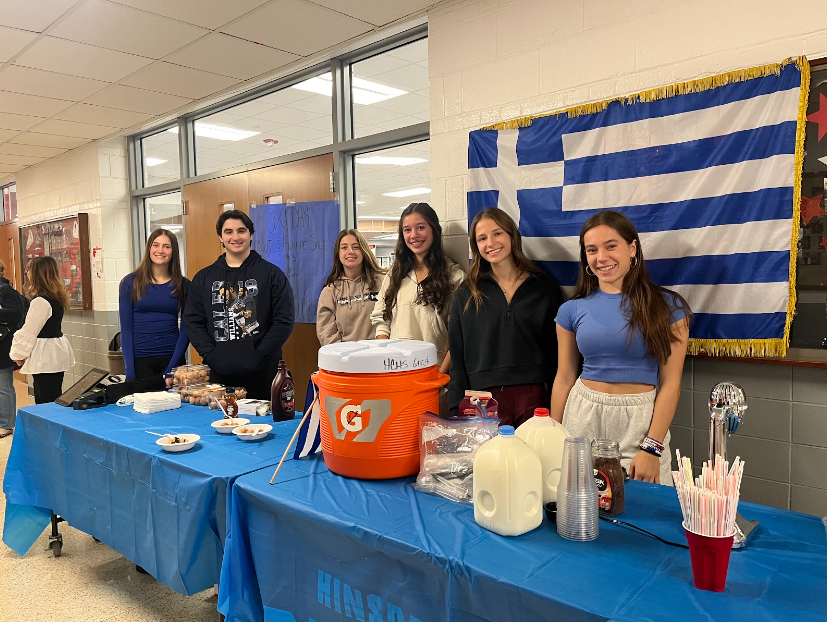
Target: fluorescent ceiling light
{"x": 407, "y": 193}
{"x": 390, "y": 160}
{"x": 362, "y": 91}
{"x": 390, "y": 236}
{"x": 154, "y": 161}
{"x": 218, "y": 132}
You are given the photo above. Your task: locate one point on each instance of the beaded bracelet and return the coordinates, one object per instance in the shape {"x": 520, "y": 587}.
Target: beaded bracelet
{"x": 651, "y": 446}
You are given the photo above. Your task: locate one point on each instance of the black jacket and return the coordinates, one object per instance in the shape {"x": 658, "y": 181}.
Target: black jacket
{"x": 502, "y": 343}
{"x": 10, "y": 313}
{"x": 239, "y": 318}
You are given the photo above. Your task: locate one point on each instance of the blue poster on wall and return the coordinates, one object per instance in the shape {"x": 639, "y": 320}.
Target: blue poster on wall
{"x": 298, "y": 238}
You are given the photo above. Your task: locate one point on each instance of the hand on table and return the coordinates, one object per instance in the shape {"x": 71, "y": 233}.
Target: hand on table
{"x": 645, "y": 467}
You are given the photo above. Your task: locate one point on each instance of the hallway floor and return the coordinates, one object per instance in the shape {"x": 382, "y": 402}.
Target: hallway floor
{"x": 90, "y": 582}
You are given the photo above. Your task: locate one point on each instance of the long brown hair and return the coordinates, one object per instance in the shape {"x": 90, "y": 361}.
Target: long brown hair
{"x": 436, "y": 288}
{"x": 143, "y": 273}
{"x": 45, "y": 281}
{"x": 479, "y": 266}
{"x": 643, "y": 302}
{"x": 370, "y": 267}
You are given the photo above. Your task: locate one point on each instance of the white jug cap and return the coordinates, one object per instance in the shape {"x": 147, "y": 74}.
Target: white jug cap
{"x": 377, "y": 356}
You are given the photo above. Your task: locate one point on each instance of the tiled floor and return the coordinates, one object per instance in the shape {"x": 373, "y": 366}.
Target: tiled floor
{"x": 89, "y": 582}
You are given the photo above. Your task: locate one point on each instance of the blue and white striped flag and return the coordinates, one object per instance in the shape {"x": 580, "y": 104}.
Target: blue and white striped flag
{"x": 309, "y": 440}
{"x": 710, "y": 178}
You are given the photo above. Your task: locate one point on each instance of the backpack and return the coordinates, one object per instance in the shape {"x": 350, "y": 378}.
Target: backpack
{"x": 24, "y": 307}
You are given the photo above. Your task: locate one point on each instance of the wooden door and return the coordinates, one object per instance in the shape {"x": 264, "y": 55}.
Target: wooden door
{"x": 10, "y": 254}
{"x": 305, "y": 180}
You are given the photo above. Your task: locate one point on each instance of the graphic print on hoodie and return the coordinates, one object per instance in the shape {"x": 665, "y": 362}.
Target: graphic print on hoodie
{"x": 234, "y": 310}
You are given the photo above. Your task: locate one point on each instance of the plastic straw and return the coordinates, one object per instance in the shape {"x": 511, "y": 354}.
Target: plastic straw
{"x": 709, "y": 502}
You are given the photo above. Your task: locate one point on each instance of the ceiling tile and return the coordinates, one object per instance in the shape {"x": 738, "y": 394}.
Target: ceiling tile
{"x": 34, "y": 15}
{"x": 17, "y": 159}
{"x": 303, "y": 28}
{"x": 48, "y": 140}
{"x": 80, "y": 59}
{"x": 206, "y": 13}
{"x": 5, "y": 169}
{"x": 47, "y": 83}
{"x": 18, "y": 122}
{"x": 230, "y": 56}
{"x": 177, "y": 80}
{"x": 29, "y": 150}
{"x": 12, "y": 41}
{"x": 70, "y": 128}
{"x": 137, "y": 100}
{"x": 7, "y": 134}
{"x": 99, "y": 115}
{"x": 377, "y": 12}
{"x": 19, "y": 103}
{"x": 125, "y": 29}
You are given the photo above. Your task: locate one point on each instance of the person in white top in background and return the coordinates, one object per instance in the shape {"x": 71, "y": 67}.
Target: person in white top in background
{"x": 416, "y": 294}
{"x": 39, "y": 346}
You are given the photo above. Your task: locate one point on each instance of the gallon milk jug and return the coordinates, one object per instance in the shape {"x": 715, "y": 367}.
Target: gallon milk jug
{"x": 508, "y": 492}
{"x": 546, "y": 437}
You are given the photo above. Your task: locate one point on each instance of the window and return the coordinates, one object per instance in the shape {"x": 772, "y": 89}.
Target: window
{"x": 390, "y": 90}
{"x": 10, "y": 203}
{"x": 166, "y": 212}
{"x": 386, "y": 182}
{"x": 160, "y": 159}
{"x": 296, "y": 118}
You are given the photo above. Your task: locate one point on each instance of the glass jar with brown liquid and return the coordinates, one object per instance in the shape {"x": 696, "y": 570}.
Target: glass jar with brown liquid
{"x": 608, "y": 475}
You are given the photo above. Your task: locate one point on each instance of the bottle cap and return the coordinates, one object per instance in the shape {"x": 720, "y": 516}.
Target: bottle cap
{"x": 506, "y": 430}
{"x": 541, "y": 412}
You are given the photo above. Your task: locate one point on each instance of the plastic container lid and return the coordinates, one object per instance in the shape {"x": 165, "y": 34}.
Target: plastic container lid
{"x": 541, "y": 412}
{"x": 377, "y": 356}
{"x": 506, "y": 430}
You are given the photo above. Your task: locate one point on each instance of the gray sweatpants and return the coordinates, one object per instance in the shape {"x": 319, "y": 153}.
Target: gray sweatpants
{"x": 624, "y": 418}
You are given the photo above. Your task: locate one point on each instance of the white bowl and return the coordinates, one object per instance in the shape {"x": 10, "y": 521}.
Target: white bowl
{"x": 226, "y": 426}
{"x": 252, "y": 432}
{"x": 187, "y": 442}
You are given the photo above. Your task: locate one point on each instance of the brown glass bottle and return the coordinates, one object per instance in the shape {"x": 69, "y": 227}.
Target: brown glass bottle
{"x": 283, "y": 394}
{"x": 608, "y": 476}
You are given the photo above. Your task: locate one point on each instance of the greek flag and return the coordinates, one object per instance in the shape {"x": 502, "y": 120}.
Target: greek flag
{"x": 710, "y": 178}
{"x": 309, "y": 440}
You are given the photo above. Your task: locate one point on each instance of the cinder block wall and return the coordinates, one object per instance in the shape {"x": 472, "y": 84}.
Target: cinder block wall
{"x": 494, "y": 60}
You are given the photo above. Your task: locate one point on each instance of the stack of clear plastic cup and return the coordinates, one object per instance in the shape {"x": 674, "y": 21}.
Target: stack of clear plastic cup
{"x": 577, "y": 517}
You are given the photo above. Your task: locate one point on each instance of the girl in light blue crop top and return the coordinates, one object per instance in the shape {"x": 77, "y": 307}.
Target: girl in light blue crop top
{"x": 633, "y": 336}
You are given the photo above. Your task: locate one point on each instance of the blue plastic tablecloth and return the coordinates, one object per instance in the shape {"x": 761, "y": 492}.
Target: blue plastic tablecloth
{"x": 100, "y": 471}
{"x": 320, "y": 547}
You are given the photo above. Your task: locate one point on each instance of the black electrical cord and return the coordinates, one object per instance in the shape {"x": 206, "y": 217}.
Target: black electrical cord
{"x": 648, "y": 533}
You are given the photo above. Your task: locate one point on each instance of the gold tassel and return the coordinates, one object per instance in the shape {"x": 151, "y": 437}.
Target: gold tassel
{"x": 692, "y": 86}
{"x": 739, "y": 347}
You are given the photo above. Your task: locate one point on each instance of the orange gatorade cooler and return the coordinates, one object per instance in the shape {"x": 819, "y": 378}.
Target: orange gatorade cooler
{"x": 371, "y": 394}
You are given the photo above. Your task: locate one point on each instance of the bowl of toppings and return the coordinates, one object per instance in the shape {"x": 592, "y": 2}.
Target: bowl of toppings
{"x": 252, "y": 432}
{"x": 226, "y": 426}
{"x": 178, "y": 442}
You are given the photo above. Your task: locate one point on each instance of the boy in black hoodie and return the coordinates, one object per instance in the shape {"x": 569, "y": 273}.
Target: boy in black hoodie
{"x": 239, "y": 311}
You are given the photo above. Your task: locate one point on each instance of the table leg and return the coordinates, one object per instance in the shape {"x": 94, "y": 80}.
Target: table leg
{"x": 56, "y": 539}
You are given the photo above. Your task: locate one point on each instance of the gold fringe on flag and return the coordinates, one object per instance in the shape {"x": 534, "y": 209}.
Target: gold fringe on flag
{"x": 721, "y": 347}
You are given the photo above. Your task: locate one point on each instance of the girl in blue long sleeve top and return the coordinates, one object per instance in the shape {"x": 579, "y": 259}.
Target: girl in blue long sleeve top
{"x": 151, "y": 302}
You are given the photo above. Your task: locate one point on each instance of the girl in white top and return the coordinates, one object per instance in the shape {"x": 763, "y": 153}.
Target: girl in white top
{"x": 415, "y": 297}
{"x": 39, "y": 346}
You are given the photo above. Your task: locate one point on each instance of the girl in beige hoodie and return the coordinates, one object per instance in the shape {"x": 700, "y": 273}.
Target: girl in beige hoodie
{"x": 415, "y": 297}
{"x": 350, "y": 292}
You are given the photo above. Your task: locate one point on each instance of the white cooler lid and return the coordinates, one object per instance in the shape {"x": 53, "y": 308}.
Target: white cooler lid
{"x": 377, "y": 356}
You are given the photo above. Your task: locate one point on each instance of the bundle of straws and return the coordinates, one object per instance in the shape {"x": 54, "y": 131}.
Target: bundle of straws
{"x": 710, "y": 501}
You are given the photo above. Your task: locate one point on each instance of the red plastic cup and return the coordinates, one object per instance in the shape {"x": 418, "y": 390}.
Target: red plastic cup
{"x": 710, "y": 559}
